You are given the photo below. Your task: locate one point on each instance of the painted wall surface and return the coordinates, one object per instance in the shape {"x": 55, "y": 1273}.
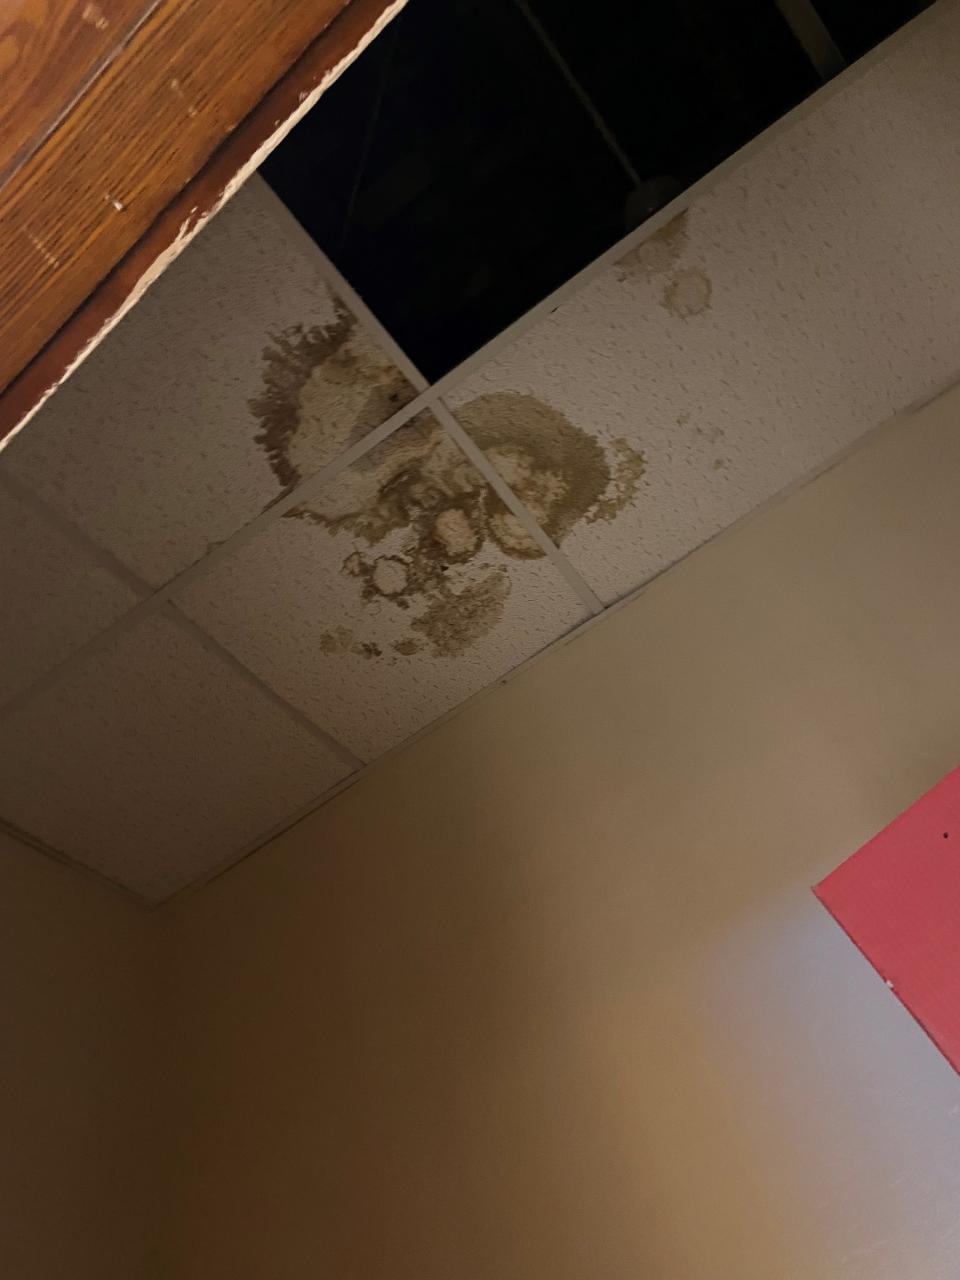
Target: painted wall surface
{"x": 548, "y": 994}
{"x": 77, "y": 1100}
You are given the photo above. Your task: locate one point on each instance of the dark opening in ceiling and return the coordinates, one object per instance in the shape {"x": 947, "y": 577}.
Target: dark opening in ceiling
{"x": 483, "y": 151}
{"x": 857, "y": 25}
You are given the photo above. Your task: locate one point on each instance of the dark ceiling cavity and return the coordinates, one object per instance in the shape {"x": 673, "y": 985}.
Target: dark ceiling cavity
{"x": 481, "y": 152}
{"x": 858, "y": 25}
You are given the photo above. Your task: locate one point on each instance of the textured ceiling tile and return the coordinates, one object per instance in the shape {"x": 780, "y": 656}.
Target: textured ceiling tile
{"x": 154, "y": 762}
{"x": 54, "y": 597}
{"x": 806, "y": 298}
{"x": 403, "y": 588}
{"x": 176, "y": 430}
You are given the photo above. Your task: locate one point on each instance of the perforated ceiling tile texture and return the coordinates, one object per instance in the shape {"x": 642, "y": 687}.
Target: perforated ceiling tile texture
{"x": 398, "y": 591}
{"x": 154, "y": 762}
{"x": 176, "y": 429}
{"x": 53, "y": 597}
{"x": 806, "y": 298}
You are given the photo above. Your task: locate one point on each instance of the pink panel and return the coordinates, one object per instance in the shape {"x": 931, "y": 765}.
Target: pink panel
{"x": 899, "y": 900}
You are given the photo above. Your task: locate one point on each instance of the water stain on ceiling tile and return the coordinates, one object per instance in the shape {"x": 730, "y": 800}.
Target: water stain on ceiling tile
{"x": 152, "y": 447}
{"x": 561, "y": 472}
{"x": 324, "y": 388}
{"x": 805, "y": 298}
{"x": 425, "y": 484}
{"x": 343, "y": 640}
{"x": 418, "y": 493}
{"x": 658, "y": 254}
{"x": 400, "y": 589}
{"x": 419, "y": 486}
{"x": 685, "y": 291}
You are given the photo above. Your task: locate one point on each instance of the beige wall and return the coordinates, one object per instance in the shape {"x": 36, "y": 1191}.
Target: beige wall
{"x": 77, "y": 1111}
{"x": 547, "y": 995}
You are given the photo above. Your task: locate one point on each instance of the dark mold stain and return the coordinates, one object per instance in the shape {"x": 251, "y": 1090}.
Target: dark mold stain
{"x": 420, "y": 486}
{"x": 324, "y": 387}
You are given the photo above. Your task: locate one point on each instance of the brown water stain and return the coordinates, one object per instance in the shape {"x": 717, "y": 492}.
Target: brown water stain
{"x": 558, "y": 471}
{"x": 658, "y": 254}
{"x": 452, "y": 619}
{"x": 688, "y": 290}
{"x": 687, "y": 293}
{"x": 343, "y": 640}
{"x": 624, "y": 482}
{"x": 420, "y": 486}
{"x": 449, "y": 610}
{"x": 324, "y": 387}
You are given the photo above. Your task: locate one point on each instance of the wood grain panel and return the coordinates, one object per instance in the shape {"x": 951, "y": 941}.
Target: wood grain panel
{"x": 273, "y": 116}
{"x": 51, "y": 51}
{"x": 192, "y": 71}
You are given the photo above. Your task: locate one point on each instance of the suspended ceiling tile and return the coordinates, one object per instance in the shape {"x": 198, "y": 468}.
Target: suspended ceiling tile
{"x": 806, "y": 298}
{"x": 402, "y": 589}
{"x": 54, "y": 596}
{"x": 175, "y": 431}
{"x": 154, "y": 762}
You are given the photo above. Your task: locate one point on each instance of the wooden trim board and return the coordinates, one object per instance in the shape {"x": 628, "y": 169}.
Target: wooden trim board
{"x": 50, "y": 55}
{"x": 191, "y": 107}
